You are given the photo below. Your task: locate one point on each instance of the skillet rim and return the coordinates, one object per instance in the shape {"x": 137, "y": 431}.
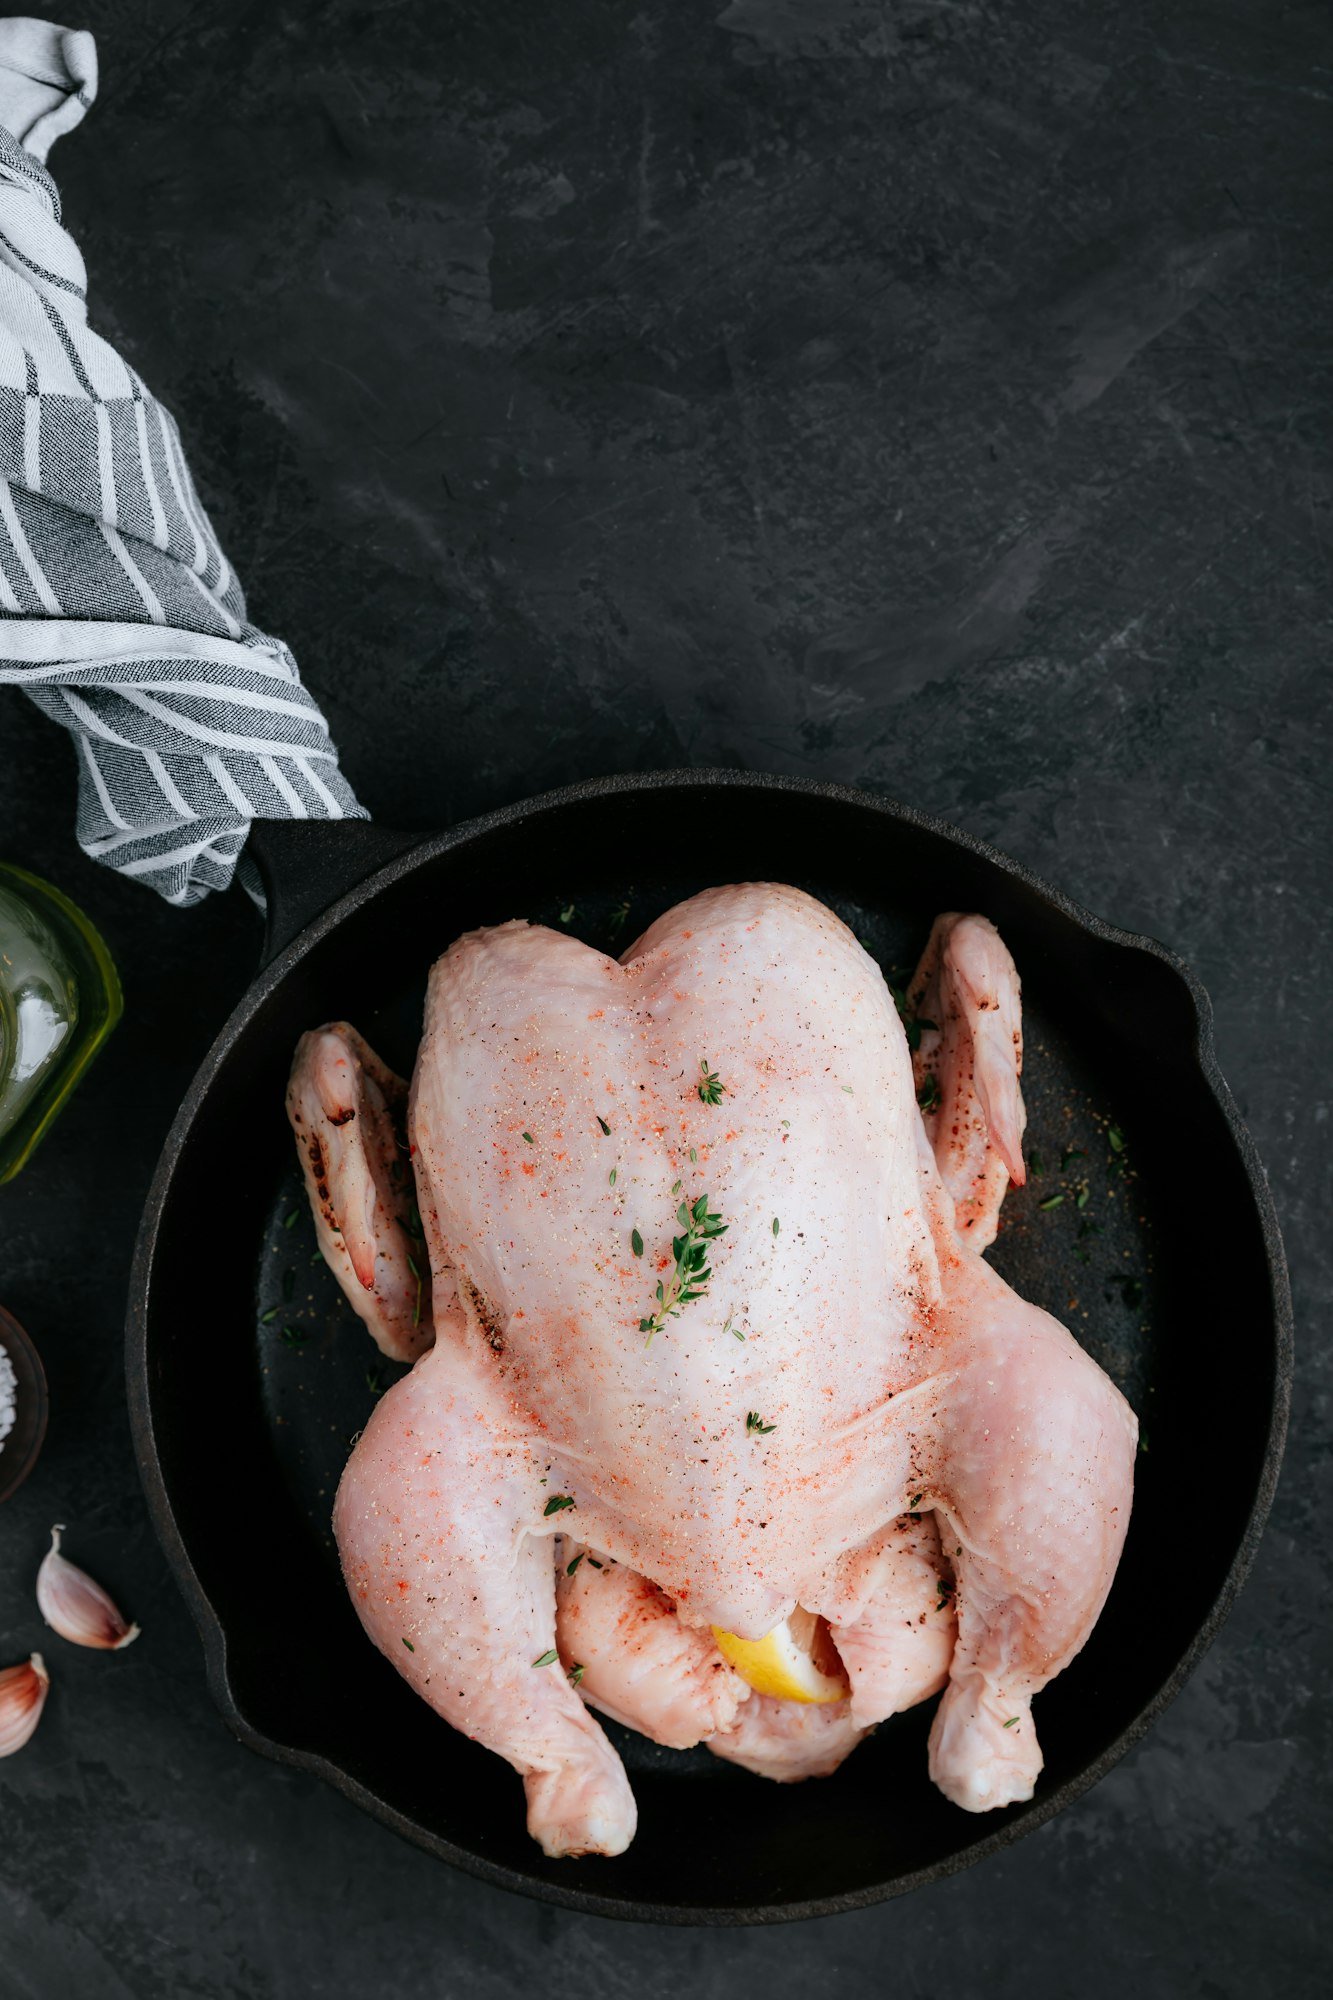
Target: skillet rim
{"x": 428, "y": 847}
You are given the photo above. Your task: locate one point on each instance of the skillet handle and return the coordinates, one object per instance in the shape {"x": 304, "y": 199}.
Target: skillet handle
{"x": 305, "y": 865}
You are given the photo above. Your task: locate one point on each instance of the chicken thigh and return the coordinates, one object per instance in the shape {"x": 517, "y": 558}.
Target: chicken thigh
{"x": 710, "y": 1308}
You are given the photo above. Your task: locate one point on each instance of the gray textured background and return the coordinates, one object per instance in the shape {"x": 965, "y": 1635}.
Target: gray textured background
{"x": 929, "y": 395}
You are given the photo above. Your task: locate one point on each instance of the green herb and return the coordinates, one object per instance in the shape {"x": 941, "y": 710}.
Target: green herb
{"x": 1051, "y": 1201}
{"x": 1071, "y": 1153}
{"x": 594, "y": 1564}
{"x": 416, "y": 1310}
{"x": 928, "y": 1097}
{"x": 271, "y": 1314}
{"x": 848, "y": 1088}
{"x": 606, "y": 1129}
{"x": 557, "y": 1504}
{"x": 576, "y": 1673}
{"x": 414, "y": 1226}
{"x": 776, "y": 1225}
{"x": 945, "y": 1590}
{"x": 318, "y": 1257}
{"x": 620, "y": 914}
{"x": 785, "y": 1124}
{"x": 1081, "y": 1198}
{"x": 374, "y": 1382}
{"x": 694, "y": 1156}
{"x": 710, "y": 1089}
{"x": 571, "y": 1567}
{"x": 913, "y": 1024}
{"x": 545, "y": 1659}
{"x": 528, "y": 1136}
{"x": 689, "y": 1280}
{"x": 295, "y": 1336}
{"x": 756, "y": 1426}
{"x": 916, "y": 1501}
{"x": 1143, "y": 1440}
{"x": 675, "y": 1187}
{"x": 1010, "y": 1723}
{"x": 611, "y": 1178}
{"x": 636, "y": 1242}
{"x": 290, "y": 1221}
{"x": 567, "y": 914}
{"x": 1034, "y": 1164}
{"x": 735, "y": 1333}
{"x": 1116, "y": 1137}
{"x": 410, "y": 1647}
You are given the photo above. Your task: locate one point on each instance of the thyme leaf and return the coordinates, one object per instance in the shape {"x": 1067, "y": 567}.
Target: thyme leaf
{"x": 710, "y": 1087}
{"x": 913, "y": 1024}
{"x": 928, "y": 1097}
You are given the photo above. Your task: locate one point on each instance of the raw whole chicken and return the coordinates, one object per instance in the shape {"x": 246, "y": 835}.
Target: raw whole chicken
{"x": 715, "y": 1353}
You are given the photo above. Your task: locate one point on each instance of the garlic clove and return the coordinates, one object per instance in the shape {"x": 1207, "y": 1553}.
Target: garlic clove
{"x": 76, "y": 1607}
{"x": 22, "y": 1697}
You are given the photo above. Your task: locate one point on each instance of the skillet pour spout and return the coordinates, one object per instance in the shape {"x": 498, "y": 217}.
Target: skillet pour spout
{"x": 1119, "y": 1039}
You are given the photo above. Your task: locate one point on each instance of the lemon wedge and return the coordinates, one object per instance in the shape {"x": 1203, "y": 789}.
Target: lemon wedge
{"x": 796, "y": 1661}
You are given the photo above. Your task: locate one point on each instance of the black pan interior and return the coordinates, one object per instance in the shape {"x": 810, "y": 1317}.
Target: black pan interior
{"x": 257, "y": 1381}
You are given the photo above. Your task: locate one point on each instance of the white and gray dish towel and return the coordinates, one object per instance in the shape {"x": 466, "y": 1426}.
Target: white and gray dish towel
{"x": 119, "y": 613}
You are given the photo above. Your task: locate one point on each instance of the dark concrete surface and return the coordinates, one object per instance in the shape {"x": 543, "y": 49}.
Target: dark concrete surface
{"x": 928, "y": 394}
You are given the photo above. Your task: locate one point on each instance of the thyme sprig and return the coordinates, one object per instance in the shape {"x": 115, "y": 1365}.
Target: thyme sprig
{"x": 689, "y": 1279}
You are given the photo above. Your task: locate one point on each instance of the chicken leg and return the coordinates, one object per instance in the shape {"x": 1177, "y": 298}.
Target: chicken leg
{"x": 440, "y": 1524}
{"x": 1035, "y": 1528}
{"x": 634, "y": 1658}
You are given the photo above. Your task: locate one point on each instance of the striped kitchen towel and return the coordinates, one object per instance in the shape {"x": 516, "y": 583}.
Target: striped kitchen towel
{"x": 119, "y": 614}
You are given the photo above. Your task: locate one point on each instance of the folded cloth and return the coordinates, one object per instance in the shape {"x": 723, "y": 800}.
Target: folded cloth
{"x": 119, "y": 614}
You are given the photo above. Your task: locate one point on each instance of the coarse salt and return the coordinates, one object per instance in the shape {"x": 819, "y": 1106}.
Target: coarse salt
{"x": 8, "y": 1396}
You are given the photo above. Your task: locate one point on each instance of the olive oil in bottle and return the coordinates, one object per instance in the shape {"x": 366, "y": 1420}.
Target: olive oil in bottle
{"x": 59, "y": 1000}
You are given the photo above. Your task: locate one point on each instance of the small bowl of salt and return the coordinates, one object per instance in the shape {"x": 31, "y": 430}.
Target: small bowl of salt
{"x": 22, "y": 1404}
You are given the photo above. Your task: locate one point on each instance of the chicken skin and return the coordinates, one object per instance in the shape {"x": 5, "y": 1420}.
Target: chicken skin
{"x": 711, "y": 1317}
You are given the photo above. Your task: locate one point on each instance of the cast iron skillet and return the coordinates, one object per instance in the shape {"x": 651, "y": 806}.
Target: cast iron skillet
{"x": 248, "y": 1374}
